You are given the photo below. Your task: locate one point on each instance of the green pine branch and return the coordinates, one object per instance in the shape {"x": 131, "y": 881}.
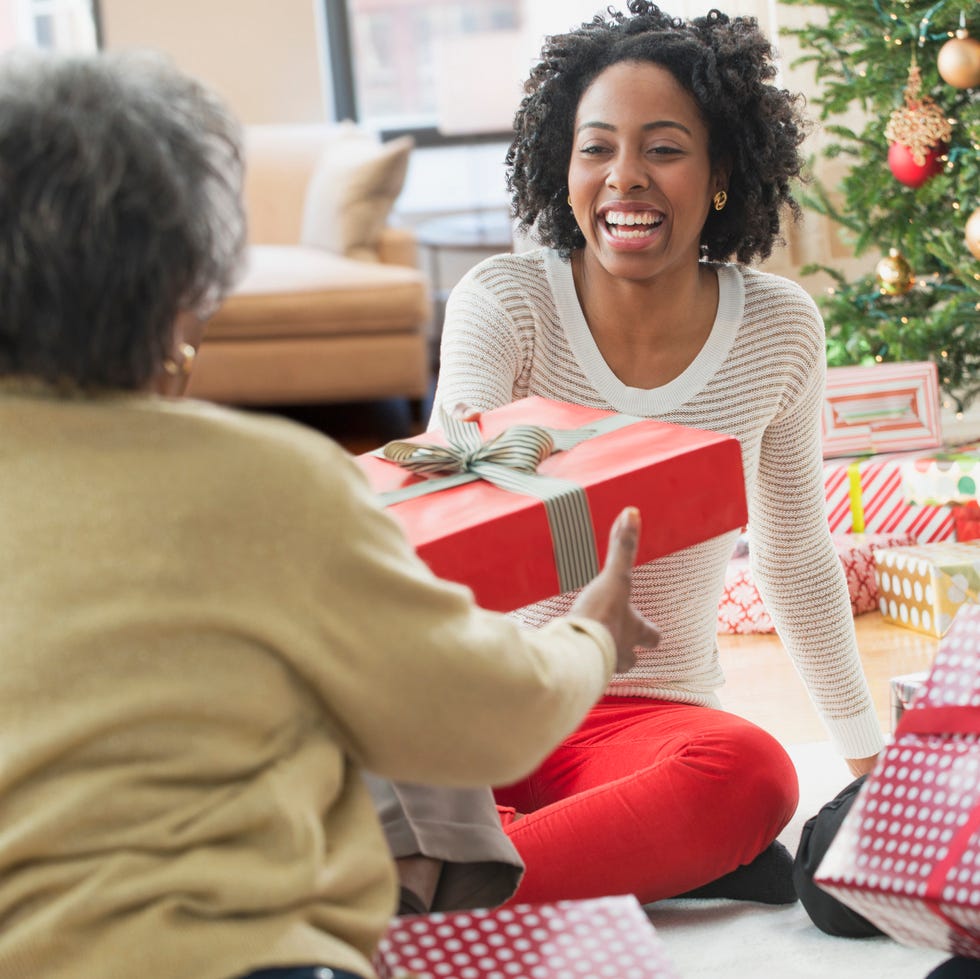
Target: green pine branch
{"x": 860, "y": 58}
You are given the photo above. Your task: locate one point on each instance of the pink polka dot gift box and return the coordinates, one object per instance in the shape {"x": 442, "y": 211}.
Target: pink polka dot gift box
{"x": 907, "y": 855}
{"x": 605, "y": 938}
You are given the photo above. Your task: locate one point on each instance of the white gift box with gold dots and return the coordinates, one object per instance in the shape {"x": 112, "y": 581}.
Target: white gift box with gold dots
{"x": 922, "y": 586}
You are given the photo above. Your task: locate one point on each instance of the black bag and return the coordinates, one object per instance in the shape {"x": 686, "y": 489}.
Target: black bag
{"x": 828, "y": 914}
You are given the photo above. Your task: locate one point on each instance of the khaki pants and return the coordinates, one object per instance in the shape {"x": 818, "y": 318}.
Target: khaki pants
{"x": 458, "y": 826}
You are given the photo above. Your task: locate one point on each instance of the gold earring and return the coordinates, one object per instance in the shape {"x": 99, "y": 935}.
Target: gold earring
{"x": 186, "y": 365}
{"x": 720, "y": 200}
{"x": 188, "y": 353}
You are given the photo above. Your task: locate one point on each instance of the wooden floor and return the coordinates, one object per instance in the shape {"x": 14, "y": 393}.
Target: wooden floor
{"x": 761, "y": 681}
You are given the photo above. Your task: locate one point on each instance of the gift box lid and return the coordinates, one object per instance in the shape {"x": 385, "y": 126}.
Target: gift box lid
{"x": 687, "y": 483}
{"x": 604, "y": 938}
{"x": 881, "y": 408}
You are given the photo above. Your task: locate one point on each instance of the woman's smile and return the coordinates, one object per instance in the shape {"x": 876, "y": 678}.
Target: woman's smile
{"x": 640, "y": 178}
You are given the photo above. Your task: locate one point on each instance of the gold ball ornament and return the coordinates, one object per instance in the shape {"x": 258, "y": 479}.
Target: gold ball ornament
{"x": 973, "y": 233}
{"x": 894, "y": 274}
{"x": 959, "y": 61}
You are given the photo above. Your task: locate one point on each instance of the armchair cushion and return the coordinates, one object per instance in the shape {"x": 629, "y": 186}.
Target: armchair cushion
{"x": 351, "y": 192}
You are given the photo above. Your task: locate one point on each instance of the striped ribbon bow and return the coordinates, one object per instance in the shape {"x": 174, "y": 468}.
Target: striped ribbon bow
{"x": 510, "y": 461}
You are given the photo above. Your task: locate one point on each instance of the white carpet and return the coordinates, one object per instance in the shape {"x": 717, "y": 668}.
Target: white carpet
{"x": 738, "y": 940}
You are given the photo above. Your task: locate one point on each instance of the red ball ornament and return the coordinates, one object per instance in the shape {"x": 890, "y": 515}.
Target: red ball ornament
{"x": 905, "y": 170}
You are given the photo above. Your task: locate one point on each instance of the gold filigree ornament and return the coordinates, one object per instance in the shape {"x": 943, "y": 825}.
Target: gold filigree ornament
{"x": 919, "y": 124}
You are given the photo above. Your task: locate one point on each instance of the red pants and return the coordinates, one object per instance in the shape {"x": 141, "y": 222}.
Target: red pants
{"x": 650, "y": 798}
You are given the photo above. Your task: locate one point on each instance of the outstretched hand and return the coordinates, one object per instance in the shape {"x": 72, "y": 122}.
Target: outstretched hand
{"x": 607, "y": 597}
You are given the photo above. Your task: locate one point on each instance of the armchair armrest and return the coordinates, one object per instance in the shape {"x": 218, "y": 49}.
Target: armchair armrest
{"x": 398, "y": 246}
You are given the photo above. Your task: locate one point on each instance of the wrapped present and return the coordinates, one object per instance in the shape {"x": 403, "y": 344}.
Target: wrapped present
{"x": 951, "y": 476}
{"x": 535, "y": 488}
{"x": 742, "y": 611}
{"x": 907, "y": 855}
{"x": 881, "y": 408}
{"x": 603, "y": 937}
{"x": 902, "y": 689}
{"x": 867, "y": 495}
{"x": 966, "y": 520}
{"x": 923, "y": 586}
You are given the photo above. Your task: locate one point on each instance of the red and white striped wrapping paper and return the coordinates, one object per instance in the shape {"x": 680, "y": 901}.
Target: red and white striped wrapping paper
{"x": 867, "y": 495}
{"x": 882, "y": 408}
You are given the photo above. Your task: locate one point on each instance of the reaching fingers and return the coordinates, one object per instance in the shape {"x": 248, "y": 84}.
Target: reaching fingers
{"x": 465, "y": 413}
{"x": 623, "y": 541}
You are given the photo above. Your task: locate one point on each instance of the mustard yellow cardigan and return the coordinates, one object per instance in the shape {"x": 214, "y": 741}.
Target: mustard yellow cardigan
{"x": 207, "y": 629}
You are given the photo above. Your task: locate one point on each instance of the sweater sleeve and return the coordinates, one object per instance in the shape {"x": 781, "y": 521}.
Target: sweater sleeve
{"x": 481, "y": 357}
{"x": 424, "y": 685}
{"x": 794, "y": 562}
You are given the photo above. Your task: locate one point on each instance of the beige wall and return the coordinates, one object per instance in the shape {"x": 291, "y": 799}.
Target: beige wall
{"x": 815, "y": 239}
{"x": 263, "y": 56}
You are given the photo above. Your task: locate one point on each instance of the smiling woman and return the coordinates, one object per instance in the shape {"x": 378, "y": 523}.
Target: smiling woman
{"x": 653, "y": 159}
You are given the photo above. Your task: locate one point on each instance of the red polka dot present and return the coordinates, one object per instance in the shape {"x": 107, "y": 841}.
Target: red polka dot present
{"x": 606, "y": 938}
{"x": 907, "y": 856}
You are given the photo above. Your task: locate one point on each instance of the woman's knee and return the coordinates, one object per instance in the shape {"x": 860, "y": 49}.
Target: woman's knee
{"x": 759, "y": 773}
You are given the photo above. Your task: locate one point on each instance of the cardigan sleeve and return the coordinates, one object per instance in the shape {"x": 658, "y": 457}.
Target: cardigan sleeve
{"x": 423, "y": 684}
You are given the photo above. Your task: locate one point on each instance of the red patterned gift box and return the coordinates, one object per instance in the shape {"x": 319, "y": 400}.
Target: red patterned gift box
{"x": 867, "y": 495}
{"x": 881, "y": 408}
{"x": 742, "y": 611}
{"x": 606, "y": 938}
{"x": 907, "y": 855}
{"x": 517, "y": 545}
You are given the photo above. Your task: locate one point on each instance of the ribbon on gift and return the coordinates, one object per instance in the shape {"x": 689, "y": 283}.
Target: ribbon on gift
{"x": 943, "y": 721}
{"x": 854, "y": 494}
{"x": 510, "y": 461}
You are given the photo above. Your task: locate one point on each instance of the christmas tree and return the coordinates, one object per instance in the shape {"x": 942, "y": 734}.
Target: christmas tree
{"x": 911, "y": 69}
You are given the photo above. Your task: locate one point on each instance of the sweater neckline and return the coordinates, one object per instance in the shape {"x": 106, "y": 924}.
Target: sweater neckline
{"x": 646, "y": 401}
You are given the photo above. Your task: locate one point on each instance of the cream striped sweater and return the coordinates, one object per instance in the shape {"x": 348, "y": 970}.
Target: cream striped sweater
{"x": 514, "y": 328}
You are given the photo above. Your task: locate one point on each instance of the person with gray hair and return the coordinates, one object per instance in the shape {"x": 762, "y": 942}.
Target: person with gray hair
{"x": 209, "y": 627}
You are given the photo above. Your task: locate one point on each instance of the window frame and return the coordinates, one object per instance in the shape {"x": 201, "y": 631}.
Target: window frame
{"x": 340, "y": 51}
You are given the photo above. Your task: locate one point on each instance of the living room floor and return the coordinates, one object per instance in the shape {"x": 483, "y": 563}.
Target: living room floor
{"x": 762, "y": 683}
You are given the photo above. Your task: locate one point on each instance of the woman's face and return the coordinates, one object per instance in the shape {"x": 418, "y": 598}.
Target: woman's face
{"x": 639, "y": 177}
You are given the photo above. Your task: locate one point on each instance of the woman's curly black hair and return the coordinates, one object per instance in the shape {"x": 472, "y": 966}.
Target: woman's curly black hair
{"x": 725, "y": 63}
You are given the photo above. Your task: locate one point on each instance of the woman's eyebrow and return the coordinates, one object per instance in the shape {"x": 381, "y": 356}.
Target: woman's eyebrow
{"x": 658, "y": 124}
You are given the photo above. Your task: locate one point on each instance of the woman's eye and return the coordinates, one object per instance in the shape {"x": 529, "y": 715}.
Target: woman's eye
{"x": 664, "y": 150}
{"x": 593, "y": 149}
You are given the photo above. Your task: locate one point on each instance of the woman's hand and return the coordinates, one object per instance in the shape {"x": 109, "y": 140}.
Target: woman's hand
{"x": 607, "y": 597}
{"x": 861, "y": 766}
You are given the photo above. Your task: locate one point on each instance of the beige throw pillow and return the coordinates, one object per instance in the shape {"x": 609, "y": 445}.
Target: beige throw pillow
{"x": 352, "y": 191}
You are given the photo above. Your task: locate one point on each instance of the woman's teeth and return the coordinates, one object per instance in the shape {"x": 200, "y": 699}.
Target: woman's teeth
{"x": 633, "y": 224}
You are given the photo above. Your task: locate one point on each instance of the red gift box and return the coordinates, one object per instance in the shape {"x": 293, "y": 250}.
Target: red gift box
{"x": 742, "y": 611}
{"x": 907, "y": 855}
{"x": 867, "y": 495}
{"x": 608, "y": 937}
{"x": 881, "y": 408}
{"x": 507, "y": 546}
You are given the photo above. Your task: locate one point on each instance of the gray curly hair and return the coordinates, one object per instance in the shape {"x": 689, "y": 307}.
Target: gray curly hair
{"x": 120, "y": 208}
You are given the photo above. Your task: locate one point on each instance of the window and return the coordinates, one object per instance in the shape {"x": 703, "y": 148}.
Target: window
{"x": 392, "y": 61}
{"x": 445, "y": 70}
{"x": 62, "y": 25}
